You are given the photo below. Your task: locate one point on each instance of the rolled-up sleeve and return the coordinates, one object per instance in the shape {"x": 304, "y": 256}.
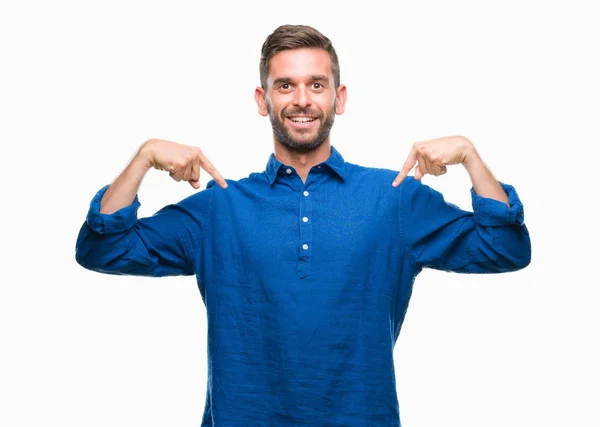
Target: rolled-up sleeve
{"x": 491, "y": 239}
{"x": 164, "y": 244}
{"x": 117, "y": 222}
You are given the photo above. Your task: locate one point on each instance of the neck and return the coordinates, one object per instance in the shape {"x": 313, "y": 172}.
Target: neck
{"x": 303, "y": 162}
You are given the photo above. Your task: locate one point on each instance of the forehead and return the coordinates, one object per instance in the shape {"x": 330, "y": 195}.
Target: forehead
{"x": 299, "y": 63}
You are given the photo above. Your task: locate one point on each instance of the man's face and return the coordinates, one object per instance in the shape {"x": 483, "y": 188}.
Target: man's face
{"x": 300, "y": 98}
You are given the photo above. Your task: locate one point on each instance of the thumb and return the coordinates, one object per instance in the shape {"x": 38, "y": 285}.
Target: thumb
{"x": 418, "y": 174}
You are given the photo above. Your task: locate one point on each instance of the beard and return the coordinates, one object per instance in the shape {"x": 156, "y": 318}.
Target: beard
{"x": 302, "y": 145}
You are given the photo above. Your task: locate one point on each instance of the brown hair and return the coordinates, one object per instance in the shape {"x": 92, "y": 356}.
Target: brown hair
{"x": 287, "y": 37}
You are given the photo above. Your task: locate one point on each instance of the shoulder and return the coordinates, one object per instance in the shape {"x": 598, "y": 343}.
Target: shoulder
{"x": 237, "y": 189}
{"x": 383, "y": 178}
{"x": 255, "y": 178}
{"x": 374, "y": 185}
{"x": 409, "y": 192}
{"x": 370, "y": 174}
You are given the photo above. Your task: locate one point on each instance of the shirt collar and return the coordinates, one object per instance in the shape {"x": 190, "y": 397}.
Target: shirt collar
{"x": 335, "y": 162}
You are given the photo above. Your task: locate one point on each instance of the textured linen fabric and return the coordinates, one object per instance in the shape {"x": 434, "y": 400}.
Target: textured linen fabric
{"x": 306, "y": 285}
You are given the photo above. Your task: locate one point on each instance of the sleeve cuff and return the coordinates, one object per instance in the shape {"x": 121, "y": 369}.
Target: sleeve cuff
{"x": 117, "y": 222}
{"x": 491, "y": 212}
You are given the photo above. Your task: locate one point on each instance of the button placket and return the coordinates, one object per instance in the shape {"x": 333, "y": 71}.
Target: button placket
{"x": 306, "y": 234}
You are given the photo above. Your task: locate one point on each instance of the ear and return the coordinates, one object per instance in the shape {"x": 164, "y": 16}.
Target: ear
{"x": 341, "y": 97}
{"x": 261, "y": 102}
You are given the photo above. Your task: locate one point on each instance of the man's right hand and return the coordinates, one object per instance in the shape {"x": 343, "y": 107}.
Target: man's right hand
{"x": 182, "y": 161}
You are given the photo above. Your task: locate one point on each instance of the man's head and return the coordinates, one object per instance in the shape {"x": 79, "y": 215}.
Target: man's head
{"x": 300, "y": 89}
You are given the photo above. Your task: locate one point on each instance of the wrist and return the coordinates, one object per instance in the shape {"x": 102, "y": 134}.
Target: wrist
{"x": 470, "y": 155}
{"x": 144, "y": 156}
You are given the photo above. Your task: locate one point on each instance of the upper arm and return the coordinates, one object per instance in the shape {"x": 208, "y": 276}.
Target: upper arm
{"x": 439, "y": 235}
{"x": 163, "y": 244}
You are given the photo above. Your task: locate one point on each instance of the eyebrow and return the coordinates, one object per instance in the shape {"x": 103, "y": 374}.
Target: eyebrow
{"x": 315, "y": 78}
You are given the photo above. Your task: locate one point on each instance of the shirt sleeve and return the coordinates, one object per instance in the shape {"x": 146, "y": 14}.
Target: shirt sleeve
{"x": 164, "y": 244}
{"x": 439, "y": 235}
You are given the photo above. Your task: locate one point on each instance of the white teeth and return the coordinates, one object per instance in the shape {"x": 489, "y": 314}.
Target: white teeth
{"x": 301, "y": 119}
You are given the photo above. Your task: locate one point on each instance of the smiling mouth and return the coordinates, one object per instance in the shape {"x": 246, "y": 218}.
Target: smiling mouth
{"x": 301, "y": 121}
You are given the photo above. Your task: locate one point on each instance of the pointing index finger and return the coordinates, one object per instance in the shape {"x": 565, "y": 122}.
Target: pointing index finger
{"x": 408, "y": 165}
{"x": 212, "y": 171}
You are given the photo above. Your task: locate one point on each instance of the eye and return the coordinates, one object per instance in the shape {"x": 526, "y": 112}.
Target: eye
{"x": 284, "y": 86}
{"x": 318, "y": 85}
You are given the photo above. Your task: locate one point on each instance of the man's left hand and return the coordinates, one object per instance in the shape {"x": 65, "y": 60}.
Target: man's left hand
{"x": 434, "y": 155}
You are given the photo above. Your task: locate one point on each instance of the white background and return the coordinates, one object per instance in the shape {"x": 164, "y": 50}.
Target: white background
{"x": 84, "y": 84}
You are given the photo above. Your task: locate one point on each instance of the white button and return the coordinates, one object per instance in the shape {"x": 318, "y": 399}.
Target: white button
{"x": 305, "y": 219}
{"x": 305, "y": 246}
{"x": 306, "y": 193}
{"x": 289, "y": 171}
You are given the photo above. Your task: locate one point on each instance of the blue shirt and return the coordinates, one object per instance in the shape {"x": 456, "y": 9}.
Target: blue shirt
{"x": 306, "y": 284}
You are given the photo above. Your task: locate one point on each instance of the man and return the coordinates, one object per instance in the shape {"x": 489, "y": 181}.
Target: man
{"x": 305, "y": 269}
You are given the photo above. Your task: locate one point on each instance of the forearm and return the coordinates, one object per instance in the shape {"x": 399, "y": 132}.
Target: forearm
{"x": 484, "y": 183}
{"x": 122, "y": 191}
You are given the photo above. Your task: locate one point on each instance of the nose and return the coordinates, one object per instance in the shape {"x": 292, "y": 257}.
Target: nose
{"x": 301, "y": 96}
